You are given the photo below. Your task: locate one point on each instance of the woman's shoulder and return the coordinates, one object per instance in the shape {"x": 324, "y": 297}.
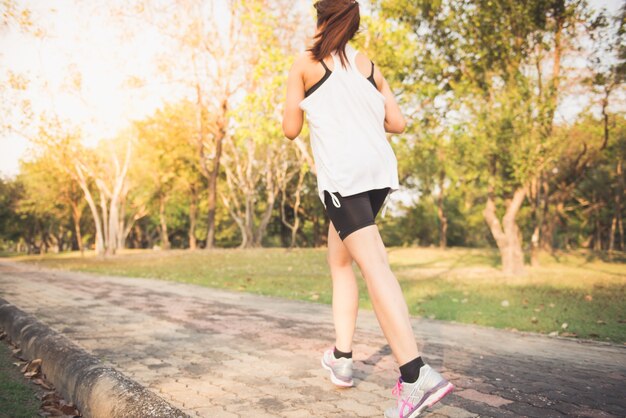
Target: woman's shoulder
{"x": 361, "y": 57}
{"x": 305, "y": 58}
{"x": 302, "y": 61}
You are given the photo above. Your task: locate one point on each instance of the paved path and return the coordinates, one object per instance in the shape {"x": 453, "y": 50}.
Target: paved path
{"x": 218, "y": 354}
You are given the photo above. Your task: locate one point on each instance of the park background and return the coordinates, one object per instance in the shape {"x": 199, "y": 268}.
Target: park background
{"x": 156, "y": 125}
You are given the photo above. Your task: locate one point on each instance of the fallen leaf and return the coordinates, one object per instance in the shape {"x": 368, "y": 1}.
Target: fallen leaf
{"x": 315, "y": 296}
{"x": 564, "y": 325}
{"x": 42, "y": 383}
{"x": 69, "y": 410}
{"x": 32, "y": 366}
{"x": 600, "y": 322}
{"x": 525, "y": 302}
{"x": 53, "y": 411}
{"x": 552, "y": 305}
{"x": 588, "y": 298}
{"x": 553, "y": 334}
{"x": 504, "y": 304}
{"x": 29, "y": 375}
{"x": 534, "y": 320}
{"x": 569, "y": 334}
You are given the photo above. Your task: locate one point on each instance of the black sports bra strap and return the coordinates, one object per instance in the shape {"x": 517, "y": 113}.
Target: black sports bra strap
{"x": 371, "y": 77}
{"x": 325, "y": 67}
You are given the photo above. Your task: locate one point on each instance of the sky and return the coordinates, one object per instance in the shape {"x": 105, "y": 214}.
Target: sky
{"x": 83, "y": 44}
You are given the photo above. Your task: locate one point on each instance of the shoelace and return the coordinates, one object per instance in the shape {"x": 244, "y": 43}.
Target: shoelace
{"x": 402, "y": 403}
{"x": 397, "y": 391}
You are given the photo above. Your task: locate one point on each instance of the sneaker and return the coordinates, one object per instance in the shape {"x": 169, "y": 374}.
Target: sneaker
{"x": 414, "y": 398}
{"x": 340, "y": 369}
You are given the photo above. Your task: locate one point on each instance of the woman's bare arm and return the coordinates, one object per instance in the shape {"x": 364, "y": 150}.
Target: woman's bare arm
{"x": 394, "y": 120}
{"x": 293, "y": 117}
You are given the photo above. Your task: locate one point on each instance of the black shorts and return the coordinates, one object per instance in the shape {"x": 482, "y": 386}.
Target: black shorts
{"x": 354, "y": 212}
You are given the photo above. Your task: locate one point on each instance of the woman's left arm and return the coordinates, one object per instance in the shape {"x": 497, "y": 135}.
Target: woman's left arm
{"x": 293, "y": 117}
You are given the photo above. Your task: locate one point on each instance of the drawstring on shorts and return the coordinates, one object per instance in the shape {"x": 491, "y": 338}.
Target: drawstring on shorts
{"x": 384, "y": 210}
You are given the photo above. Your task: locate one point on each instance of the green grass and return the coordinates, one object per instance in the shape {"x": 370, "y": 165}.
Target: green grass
{"x": 462, "y": 285}
{"x": 17, "y": 397}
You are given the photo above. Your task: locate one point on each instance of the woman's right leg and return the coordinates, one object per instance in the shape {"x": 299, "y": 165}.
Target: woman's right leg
{"x": 366, "y": 247}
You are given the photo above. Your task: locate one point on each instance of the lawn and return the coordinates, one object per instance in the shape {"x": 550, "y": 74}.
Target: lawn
{"x": 574, "y": 295}
{"x": 18, "y": 398}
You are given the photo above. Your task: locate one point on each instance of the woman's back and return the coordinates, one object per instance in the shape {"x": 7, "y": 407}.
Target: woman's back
{"x": 346, "y": 115}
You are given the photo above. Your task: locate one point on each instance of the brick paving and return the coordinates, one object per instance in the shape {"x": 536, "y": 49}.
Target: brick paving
{"x": 215, "y": 353}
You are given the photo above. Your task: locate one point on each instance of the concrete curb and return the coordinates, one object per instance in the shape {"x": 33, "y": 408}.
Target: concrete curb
{"x": 97, "y": 390}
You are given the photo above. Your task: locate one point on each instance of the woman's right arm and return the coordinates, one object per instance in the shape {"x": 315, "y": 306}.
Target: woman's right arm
{"x": 293, "y": 117}
{"x": 394, "y": 120}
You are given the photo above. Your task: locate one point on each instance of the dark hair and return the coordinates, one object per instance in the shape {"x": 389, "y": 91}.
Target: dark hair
{"x": 339, "y": 21}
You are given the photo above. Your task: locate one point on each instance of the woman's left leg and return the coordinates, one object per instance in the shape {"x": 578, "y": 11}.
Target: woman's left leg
{"x": 345, "y": 291}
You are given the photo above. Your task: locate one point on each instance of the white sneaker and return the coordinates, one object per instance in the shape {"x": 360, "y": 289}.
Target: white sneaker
{"x": 414, "y": 398}
{"x": 340, "y": 369}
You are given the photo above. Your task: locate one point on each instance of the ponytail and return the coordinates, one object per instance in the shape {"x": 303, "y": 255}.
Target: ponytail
{"x": 339, "y": 21}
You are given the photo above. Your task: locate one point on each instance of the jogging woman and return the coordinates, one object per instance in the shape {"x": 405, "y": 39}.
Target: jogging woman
{"x": 349, "y": 107}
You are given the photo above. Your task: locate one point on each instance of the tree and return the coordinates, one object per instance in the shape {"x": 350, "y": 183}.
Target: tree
{"x": 166, "y": 142}
{"x": 497, "y": 54}
{"x": 258, "y": 158}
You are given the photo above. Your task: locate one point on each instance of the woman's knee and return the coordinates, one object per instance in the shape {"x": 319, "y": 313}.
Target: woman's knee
{"x": 339, "y": 259}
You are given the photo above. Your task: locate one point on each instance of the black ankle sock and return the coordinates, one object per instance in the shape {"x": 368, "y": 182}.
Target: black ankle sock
{"x": 410, "y": 371}
{"x": 339, "y": 354}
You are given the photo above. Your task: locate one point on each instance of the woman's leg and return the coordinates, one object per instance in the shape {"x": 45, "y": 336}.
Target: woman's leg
{"x": 345, "y": 291}
{"x": 367, "y": 249}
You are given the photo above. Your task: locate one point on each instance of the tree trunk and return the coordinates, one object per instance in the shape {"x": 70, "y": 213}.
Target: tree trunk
{"x": 539, "y": 209}
{"x": 296, "y": 207}
{"x": 115, "y": 233}
{"x": 618, "y": 203}
{"x": 193, "y": 217}
{"x": 76, "y": 215}
{"x": 165, "y": 240}
{"x": 105, "y": 217}
{"x": 82, "y": 182}
{"x": 443, "y": 220}
{"x": 507, "y": 235}
{"x": 214, "y": 173}
{"x": 612, "y": 233}
{"x": 271, "y": 191}
{"x": 121, "y": 223}
{"x": 113, "y": 225}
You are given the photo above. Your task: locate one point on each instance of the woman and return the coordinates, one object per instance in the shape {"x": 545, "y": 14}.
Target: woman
{"x": 349, "y": 107}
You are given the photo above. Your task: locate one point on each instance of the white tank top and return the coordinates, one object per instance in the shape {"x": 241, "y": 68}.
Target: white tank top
{"x": 346, "y": 116}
